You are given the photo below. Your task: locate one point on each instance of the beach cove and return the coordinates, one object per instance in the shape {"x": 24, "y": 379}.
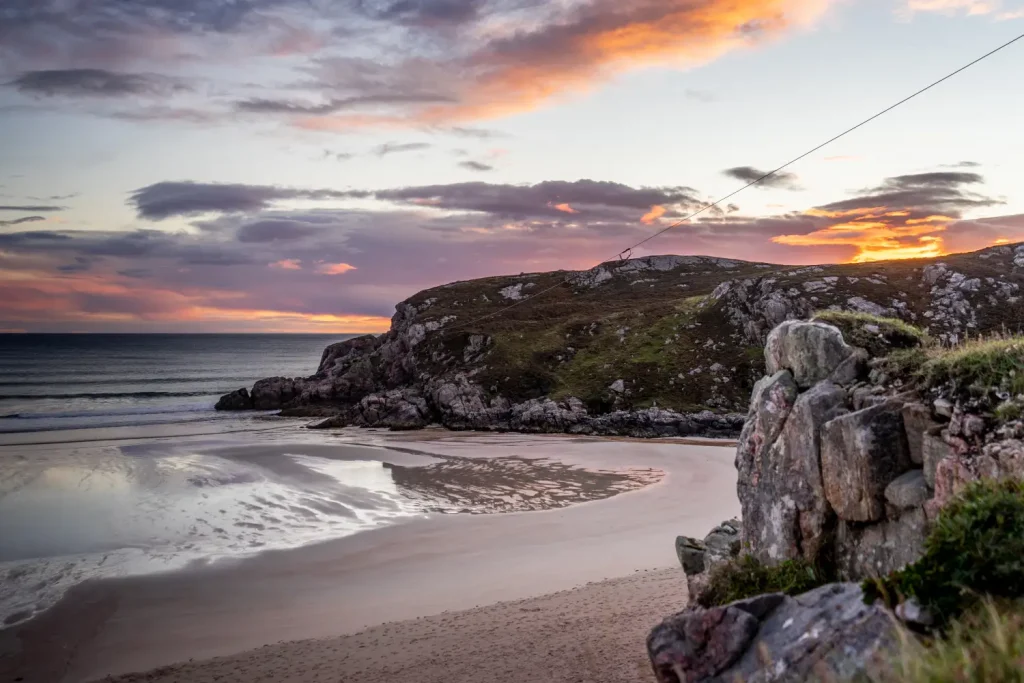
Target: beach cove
{"x": 580, "y": 529}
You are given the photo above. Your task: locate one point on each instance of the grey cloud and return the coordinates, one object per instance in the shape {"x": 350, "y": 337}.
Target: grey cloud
{"x": 472, "y": 132}
{"x": 748, "y": 174}
{"x": 476, "y": 166}
{"x": 943, "y": 191}
{"x": 167, "y": 199}
{"x": 32, "y": 208}
{"x": 20, "y": 221}
{"x": 294, "y": 107}
{"x": 587, "y": 197}
{"x": 396, "y": 147}
{"x": 275, "y": 230}
{"x": 136, "y": 273}
{"x": 80, "y": 265}
{"x": 423, "y": 12}
{"x": 93, "y": 83}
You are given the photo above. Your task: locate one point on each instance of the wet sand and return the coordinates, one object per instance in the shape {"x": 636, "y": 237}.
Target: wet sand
{"x": 408, "y": 571}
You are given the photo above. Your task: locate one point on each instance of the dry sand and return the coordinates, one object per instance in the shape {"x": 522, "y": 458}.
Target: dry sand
{"x": 593, "y": 634}
{"x": 492, "y": 565}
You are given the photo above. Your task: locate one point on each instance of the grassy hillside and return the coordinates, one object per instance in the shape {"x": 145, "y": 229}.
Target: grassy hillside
{"x": 687, "y": 332}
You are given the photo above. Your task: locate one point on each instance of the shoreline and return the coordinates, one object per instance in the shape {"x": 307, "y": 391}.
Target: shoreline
{"x": 411, "y": 569}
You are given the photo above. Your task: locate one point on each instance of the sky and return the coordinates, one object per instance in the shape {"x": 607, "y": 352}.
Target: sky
{"x": 305, "y": 165}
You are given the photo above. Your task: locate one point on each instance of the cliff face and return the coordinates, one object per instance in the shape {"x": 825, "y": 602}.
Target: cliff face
{"x": 845, "y": 461}
{"x": 656, "y": 346}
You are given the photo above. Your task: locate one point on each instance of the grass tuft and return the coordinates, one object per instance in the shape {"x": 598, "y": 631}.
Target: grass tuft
{"x": 746, "y": 577}
{"x": 877, "y": 335}
{"x": 975, "y": 549}
{"x": 985, "y": 646}
{"x": 981, "y": 365}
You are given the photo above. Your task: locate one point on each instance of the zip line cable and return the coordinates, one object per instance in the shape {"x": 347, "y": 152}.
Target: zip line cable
{"x": 732, "y": 194}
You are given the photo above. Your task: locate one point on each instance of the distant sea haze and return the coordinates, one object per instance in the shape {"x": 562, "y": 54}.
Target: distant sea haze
{"x": 72, "y": 381}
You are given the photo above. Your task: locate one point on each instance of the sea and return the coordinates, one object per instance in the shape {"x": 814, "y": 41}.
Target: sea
{"x": 113, "y": 462}
{"x": 73, "y": 381}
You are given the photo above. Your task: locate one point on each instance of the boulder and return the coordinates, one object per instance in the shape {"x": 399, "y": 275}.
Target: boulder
{"x": 861, "y": 454}
{"x": 783, "y": 500}
{"x": 691, "y": 553}
{"x": 917, "y": 421}
{"x": 825, "y": 634}
{"x": 908, "y": 490}
{"x": 699, "y": 557}
{"x": 275, "y": 393}
{"x": 811, "y": 351}
{"x": 864, "y": 550}
{"x": 724, "y": 539}
{"x": 933, "y": 450}
{"x": 236, "y": 400}
{"x": 772, "y": 401}
{"x": 700, "y": 644}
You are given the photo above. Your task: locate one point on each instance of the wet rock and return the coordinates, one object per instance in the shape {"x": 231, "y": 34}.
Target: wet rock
{"x": 825, "y": 634}
{"x": 811, "y": 351}
{"x": 908, "y": 490}
{"x": 275, "y": 393}
{"x": 236, "y": 400}
{"x": 861, "y": 453}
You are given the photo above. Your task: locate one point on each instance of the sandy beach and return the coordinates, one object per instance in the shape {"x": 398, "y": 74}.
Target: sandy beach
{"x": 555, "y": 595}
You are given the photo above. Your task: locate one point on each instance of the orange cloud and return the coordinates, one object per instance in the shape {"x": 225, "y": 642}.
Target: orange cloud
{"x": 654, "y": 214}
{"x": 578, "y": 47}
{"x": 287, "y": 264}
{"x": 877, "y": 234}
{"x": 334, "y": 268}
{"x": 36, "y": 297}
{"x": 564, "y": 208}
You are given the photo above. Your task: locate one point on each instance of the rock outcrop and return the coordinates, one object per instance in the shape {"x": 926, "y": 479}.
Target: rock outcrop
{"x": 654, "y": 346}
{"x": 844, "y": 471}
{"x": 828, "y": 634}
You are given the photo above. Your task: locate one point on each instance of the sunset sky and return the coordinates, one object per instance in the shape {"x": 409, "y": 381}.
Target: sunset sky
{"x": 304, "y": 165}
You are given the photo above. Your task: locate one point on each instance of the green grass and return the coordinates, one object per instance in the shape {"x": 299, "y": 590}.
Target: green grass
{"x": 980, "y": 365}
{"x": 876, "y": 334}
{"x": 975, "y": 549}
{"x": 746, "y": 577}
{"x": 985, "y": 646}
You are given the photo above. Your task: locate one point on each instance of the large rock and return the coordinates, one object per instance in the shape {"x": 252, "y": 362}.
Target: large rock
{"x": 933, "y": 450}
{"x": 275, "y": 393}
{"x": 909, "y": 490}
{"x": 864, "y": 550}
{"x": 827, "y": 634}
{"x": 917, "y": 421}
{"x": 784, "y": 505}
{"x": 700, "y": 557}
{"x": 811, "y": 351}
{"x": 772, "y": 401}
{"x": 861, "y": 454}
{"x": 236, "y": 400}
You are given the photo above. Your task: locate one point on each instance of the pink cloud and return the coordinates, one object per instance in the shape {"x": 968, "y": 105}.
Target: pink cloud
{"x": 334, "y": 268}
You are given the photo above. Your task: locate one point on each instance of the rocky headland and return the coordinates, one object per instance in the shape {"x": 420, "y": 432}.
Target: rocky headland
{"x": 648, "y": 347}
{"x": 859, "y": 439}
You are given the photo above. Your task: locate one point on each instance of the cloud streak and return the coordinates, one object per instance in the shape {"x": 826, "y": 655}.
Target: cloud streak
{"x": 167, "y": 199}
{"x": 482, "y": 59}
{"x": 94, "y": 83}
{"x": 270, "y": 262}
{"x": 748, "y": 174}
